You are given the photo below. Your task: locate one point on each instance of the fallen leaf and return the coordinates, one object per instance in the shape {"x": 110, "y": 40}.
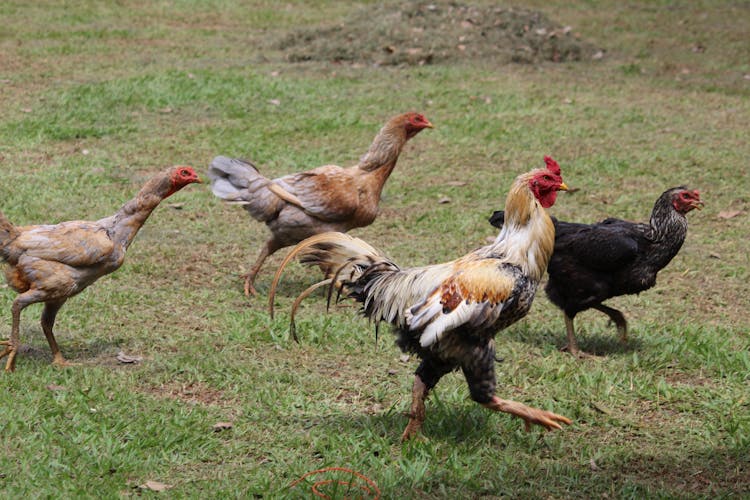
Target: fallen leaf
{"x": 729, "y": 214}
{"x": 155, "y": 486}
{"x": 165, "y": 110}
{"x": 598, "y": 55}
{"x": 593, "y": 465}
{"x": 222, "y": 426}
{"x": 714, "y": 255}
{"x": 176, "y": 206}
{"x": 124, "y": 358}
{"x": 444, "y": 200}
{"x": 404, "y": 358}
{"x": 275, "y": 102}
{"x": 456, "y": 183}
{"x": 392, "y": 371}
{"x": 600, "y": 407}
{"x": 55, "y": 387}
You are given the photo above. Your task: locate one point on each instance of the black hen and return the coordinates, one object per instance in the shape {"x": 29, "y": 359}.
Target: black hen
{"x": 594, "y": 262}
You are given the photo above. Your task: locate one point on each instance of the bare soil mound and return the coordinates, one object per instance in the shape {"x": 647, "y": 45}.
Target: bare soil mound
{"x": 410, "y": 33}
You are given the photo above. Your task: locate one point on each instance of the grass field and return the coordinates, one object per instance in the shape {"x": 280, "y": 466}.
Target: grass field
{"x": 98, "y": 95}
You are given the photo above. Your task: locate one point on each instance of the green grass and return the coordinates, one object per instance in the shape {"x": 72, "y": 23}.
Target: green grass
{"x": 97, "y": 96}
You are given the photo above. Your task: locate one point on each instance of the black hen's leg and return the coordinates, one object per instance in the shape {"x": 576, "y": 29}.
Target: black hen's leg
{"x": 429, "y": 372}
{"x": 616, "y": 317}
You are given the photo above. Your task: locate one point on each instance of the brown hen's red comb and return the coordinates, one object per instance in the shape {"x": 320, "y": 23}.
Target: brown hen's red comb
{"x": 552, "y": 165}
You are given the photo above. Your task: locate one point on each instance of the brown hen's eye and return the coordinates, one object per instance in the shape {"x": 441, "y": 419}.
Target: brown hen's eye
{"x": 184, "y": 173}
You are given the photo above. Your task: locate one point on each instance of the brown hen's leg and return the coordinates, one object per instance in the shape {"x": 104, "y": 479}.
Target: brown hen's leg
{"x": 268, "y": 249}
{"x": 14, "y": 342}
{"x": 417, "y": 414}
{"x": 48, "y": 322}
{"x": 530, "y": 415}
{"x": 617, "y": 318}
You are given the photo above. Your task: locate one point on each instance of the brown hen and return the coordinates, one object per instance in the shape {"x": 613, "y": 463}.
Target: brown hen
{"x": 327, "y": 198}
{"x": 51, "y": 263}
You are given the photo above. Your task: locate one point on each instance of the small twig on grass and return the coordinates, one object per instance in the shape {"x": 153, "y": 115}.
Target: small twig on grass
{"x": 316, "y": 485}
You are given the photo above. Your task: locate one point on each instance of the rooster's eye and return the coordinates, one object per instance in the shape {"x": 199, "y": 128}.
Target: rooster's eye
{"x": 184, "y": 173}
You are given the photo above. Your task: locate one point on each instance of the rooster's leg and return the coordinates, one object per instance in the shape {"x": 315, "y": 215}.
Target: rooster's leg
{"x": 48, "y": 321}
{"x": 530, "y": 415}
{"x": 417, "y": 415}
{"x": 268, "y": 249}
{"x": 426, "y": 377}
{"x": 479, "y": 370}
{"x": 617, "y": 318}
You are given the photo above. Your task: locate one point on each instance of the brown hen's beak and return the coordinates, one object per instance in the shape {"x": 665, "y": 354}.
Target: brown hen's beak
{"x": 697, "y": 204}
{"x": 429, "y": 124}
{"x": 563, "y": 187}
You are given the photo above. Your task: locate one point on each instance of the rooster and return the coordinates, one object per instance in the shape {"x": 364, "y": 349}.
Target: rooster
{"x": 51, "y": 263}
{"x": 592, "y": 263}
{"x": 448, "y": 314}
{"x": 327, "y": 198}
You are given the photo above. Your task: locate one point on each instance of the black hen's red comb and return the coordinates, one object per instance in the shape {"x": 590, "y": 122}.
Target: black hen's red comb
{"x": 552, "y": 165}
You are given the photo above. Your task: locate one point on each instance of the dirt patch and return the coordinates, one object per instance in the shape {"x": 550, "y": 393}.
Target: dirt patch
{"x": 414, "y": 33}
{"x": 193, "y": 393}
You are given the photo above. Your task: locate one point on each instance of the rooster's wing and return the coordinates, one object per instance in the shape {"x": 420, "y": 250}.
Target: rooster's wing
{"x": 475, "y": 294}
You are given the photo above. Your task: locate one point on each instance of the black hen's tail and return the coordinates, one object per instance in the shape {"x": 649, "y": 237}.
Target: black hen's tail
{"x": 498, "y": 219}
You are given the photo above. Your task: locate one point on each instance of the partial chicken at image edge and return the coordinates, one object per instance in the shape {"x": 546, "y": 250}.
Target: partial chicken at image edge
{"x": 595, "y": 262}
{"x": 448, "y": 314}
{"x": 51, "y": 263}
{"x": 327, "y": 198}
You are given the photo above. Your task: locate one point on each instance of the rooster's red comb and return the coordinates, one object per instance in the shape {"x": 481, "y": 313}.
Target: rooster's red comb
{"x": 552, "y": 165}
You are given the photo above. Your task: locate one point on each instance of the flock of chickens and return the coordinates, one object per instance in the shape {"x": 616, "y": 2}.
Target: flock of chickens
{"x": 446, "y": 314}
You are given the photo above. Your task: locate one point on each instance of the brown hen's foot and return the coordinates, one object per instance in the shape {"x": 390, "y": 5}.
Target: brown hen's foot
{"x": 9, "y": 351}
{"x": 530, "y": 415}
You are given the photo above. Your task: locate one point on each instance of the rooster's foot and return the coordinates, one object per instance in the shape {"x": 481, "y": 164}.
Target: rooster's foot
{"x": 250, "y": 290}
{"x": 530, "y": 415}
{"x": 412, "y": 430}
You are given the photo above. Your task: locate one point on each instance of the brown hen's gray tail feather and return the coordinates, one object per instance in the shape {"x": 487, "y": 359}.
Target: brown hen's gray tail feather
{"x": 8, "y": 232}
{"x": 237, "y": 181}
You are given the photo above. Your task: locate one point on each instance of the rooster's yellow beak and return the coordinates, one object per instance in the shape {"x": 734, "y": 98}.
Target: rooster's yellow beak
{"x": 563, "y": 187}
